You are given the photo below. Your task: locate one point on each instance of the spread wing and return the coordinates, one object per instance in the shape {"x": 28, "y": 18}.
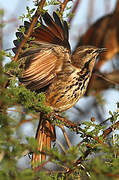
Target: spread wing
{"x": 43, "y": 62}
{"x": 41, "y": 66}
{"x": 51, "y": 30}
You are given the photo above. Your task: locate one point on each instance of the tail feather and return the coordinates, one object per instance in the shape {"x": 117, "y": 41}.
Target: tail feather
{"x": 52, "y": 30}
{"x": 53, "y": 27}
{"x": 45, "y": 134}
{"x": 43, "y": 34}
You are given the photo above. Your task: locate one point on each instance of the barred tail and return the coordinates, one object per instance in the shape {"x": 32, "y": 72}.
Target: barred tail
{"x": 45, "y": 134}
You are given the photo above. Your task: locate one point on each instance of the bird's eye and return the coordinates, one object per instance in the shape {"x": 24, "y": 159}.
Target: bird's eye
{"x": 89, "y": 51}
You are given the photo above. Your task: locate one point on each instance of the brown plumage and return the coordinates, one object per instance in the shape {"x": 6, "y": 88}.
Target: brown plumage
{"x": 50, "y": 65}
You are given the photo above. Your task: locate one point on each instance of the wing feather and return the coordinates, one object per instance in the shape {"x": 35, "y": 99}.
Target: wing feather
{"x": 42, "y": 69}
{"x": 51, "y": 30}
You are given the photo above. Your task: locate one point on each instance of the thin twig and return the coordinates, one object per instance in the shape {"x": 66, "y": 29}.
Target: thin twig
{"x": 79, "y": 110}
{"x": 65, "y": 135}
{"x": 38, "y": 168}
{"x": 107, "y": 6}
{"x": 33, "y": 23}
{"x": 116, "y": 7}
{"x": 90, "y": 11}
{"x": 75, "y": 164}
{"x": 63, "y": 5}
{"x": 61, "y": 146}
{"x": 110, "y": 129}
{"x": 10, "y": 20}
{"x": 105, "y": 121}
{"x": 73, "y": 10}
{"x": 30, "y": 114}
{"x": 1, "y": 30}
{"x": 24, "y": 121}
{"x": 105, "y": 78}
{"x": 116, "y": 176}
{"x": 67, "y": 122}
{"x": 75, "y": 127}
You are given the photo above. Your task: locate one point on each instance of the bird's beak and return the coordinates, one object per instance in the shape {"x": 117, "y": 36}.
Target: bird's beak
{"x": 101, "y": 50}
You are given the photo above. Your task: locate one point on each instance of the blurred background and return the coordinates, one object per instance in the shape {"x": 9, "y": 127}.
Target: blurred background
{"x": 101, "y": 97}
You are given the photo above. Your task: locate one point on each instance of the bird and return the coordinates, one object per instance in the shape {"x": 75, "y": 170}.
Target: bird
{"x": 103, "y": 32}
{"x": 49, "y": 66}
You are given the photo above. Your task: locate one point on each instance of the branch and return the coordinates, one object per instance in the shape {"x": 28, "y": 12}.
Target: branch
{"x": 110, "y": 129}
{"x": 30, "y": 30}
{"x": 61, "y": 146}
{"x": 90, "y": 12}
{"x": 1, "y": 29}
{"x": 116, "y": 7}
{"x": 116, "y": 176}
{"x": 107, "y": 6}
{"x": 63, "y": 5}
{"x": 105, "y": 77}
{"x": 36, "y": 169}
{"x": 89, "y": 150}
{"x": 24, "y": 121}
{"x": 75, "y": 127}
{"x": 74, "y": 10}
{"x": 75, "y": 164}
{"x": 10, "y": 20}
{"x": 69, "y": 124}
{"x": 35, "y": 116}
{"x": 65, "y": 135}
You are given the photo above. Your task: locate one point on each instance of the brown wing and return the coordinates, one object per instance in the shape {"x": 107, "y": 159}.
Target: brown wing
{"x": 41, "y": 67}
{"x": 45, "y": 59}
{"x": 51, "y": 30}
{"x": 55, "y": 32}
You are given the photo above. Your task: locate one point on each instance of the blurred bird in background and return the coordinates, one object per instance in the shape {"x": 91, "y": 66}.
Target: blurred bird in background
{"x": 103, "y": 33}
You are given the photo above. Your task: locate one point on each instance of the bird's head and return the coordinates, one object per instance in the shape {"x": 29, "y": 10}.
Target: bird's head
{"x": 85, "y": 56}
